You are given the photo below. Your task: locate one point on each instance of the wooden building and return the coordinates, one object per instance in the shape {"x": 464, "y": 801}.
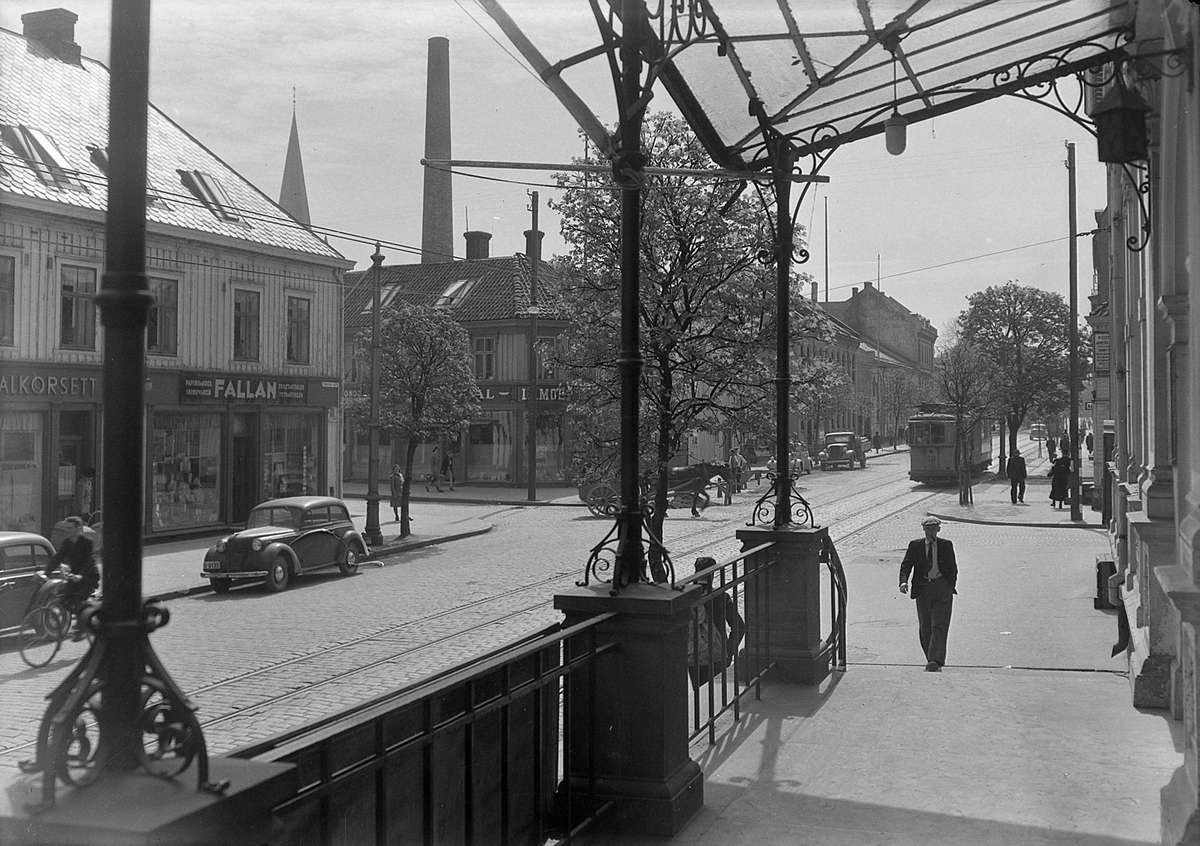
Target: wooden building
{"x": 244, "y": 337}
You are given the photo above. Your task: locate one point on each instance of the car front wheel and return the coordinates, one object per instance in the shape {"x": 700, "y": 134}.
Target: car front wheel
{"x": 279, "y": 575}
{"x": 349, "y": 565}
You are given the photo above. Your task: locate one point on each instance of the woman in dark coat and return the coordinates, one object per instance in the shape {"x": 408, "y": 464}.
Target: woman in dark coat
{"x": 396, "y": 489}
{"x": 1060, "y": 474}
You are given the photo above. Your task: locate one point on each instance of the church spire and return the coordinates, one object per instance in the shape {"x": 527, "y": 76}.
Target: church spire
{"x": 293, "y": 196}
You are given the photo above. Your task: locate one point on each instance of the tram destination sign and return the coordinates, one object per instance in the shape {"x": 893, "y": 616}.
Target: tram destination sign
{"x": 241, "y": 388}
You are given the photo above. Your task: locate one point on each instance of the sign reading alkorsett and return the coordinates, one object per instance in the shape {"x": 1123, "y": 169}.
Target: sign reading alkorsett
{"x": 240, "y": 387}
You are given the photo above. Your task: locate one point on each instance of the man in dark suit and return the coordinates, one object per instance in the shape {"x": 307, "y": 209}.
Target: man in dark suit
{"x": 934, "y": 571}
{"x": 1016, "y": 476}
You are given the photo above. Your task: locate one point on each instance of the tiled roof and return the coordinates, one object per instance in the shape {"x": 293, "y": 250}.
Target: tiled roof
{"x": 500, "y": 290}
{"x": 69, "y": 103}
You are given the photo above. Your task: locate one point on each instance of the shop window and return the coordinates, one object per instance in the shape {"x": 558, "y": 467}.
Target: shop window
{"x": 245, "y": 324}
{"x": 78, "y": 307}
{"x": 162, "y": 326}
{"x": 490, "y": 447}
{"x": 485, "y": 358}
{"x": 8, "y": 274}
{"x": 185, "y": 468}
{"x": 21, "y": 436}
{"x": 289, "y": 463}
{"x": 297, "y": 330}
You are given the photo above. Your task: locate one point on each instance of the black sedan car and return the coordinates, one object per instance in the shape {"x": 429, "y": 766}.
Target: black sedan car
{"x": 285, "y": 538}
{"x": 22, "y": 557}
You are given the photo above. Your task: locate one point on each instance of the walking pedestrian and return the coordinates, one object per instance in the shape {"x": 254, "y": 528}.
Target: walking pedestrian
{"x": 435, "y": 470}
{"x": 1060, "y": 476}
{"x": 396, "y": 487}
{"x": 1051, "y": 447}
{"x": 737, "y": 463}
{"x": 877, "y": 442}
{"x": 1064, "y": 445}
{"x": 447, "y": 470}
{"x": 1090, "y": 441}
{"x": 1017, "y": 474}
{"x": 934, "y": 571}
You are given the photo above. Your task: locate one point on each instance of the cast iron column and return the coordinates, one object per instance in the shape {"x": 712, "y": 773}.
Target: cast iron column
{"x": 783, "y": 157}
{"x": 628, "y": 171}
{"x": 124, "y": 303}
{"x": 372, "y": 533}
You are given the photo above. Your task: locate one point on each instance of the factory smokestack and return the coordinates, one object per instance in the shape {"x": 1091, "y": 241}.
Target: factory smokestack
{"x": 437, "y": 219}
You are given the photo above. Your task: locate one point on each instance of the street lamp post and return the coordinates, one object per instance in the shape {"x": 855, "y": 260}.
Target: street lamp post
{"x": 372, "y": 533}
{"x": 1073, "y": 428}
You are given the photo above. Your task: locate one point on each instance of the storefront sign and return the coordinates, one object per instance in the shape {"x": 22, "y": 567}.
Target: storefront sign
{"x": 520, "y": 393}
{"x": 234, "y": 388}
{"x": 19, "y": 382}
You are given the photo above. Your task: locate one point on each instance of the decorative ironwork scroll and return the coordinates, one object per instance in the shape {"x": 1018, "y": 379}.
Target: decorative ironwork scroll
{"x": 800, "y": 512}
{"x": 604, "y": 562}
{"x": 68, "y": 740}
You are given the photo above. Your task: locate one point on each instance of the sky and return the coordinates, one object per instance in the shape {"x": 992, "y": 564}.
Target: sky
{"x": 979, "y": 198}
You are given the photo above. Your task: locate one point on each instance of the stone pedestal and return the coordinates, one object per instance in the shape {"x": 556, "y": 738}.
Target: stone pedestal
{"x": 788, "y": 612}
{"x": 1153, "y": 664}
{"x": 641, "y": 702}
{"x": 137, "y": 809}
{"x": 1181, "y": 796}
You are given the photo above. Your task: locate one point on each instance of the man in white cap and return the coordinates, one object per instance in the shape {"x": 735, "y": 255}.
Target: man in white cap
{"x": 934, "y": 571}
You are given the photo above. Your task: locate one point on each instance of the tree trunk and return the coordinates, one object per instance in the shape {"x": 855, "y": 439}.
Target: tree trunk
{"x": 410, "y": 450}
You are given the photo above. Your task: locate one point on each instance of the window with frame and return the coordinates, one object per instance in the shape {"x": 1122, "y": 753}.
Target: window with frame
{"x": 42, "y": 154}
{"x": 485, "y": 358}
{"x": 298, "y": 330}
{"x": 547, "y": 367}
{"x": 209, "y": 191}
{"x": 454, "y": 293}
{"x": 8, "y": 299}
{"x": 162, "y": 324}
{"x": 245, "y": 324}
{"x": 78, "y": 329}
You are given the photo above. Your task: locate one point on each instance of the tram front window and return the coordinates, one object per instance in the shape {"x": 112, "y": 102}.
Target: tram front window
{"x": 929, "y": 434}
{"x": 937, "y": 433}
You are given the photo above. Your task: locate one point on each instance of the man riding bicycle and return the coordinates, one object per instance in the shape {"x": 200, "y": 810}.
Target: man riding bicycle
{"x": 78, "y": 553}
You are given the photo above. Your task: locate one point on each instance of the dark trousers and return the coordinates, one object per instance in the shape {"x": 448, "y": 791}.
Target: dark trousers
{"x": 1018, "y": 489}
{"x": 935, "y": 603}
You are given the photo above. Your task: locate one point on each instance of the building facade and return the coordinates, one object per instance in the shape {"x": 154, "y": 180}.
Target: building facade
{"x": 242, "y": 397}
{"x": 1145, "y": 311}
{"x": 490, "y": 297}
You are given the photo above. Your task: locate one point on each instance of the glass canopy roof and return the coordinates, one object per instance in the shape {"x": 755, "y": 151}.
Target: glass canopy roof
{"x": 831, "y": 71}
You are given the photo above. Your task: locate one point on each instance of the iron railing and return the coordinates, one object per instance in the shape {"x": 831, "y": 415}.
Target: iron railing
{"x": 474, "y": 755}
{"x": 721, "y": 677}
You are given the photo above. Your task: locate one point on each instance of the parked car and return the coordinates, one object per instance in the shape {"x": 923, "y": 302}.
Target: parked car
{"x": 843, "y": 448}
{"x": 22, "y": 556}
{"x": 283, "y": 539}
{"x": 1037, "y": 431}
{"x": 802, "y": 461}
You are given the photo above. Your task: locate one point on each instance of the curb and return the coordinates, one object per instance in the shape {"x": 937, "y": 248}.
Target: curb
{"x": 478, "y": 501}
{"x": 982, "y": 522}
{"x": 375, "y": 552}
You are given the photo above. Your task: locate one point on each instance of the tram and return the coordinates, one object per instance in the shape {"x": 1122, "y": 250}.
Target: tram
{"x": 931, "y": 443}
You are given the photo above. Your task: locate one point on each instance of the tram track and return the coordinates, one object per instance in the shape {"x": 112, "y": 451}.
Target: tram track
{"x": 378, "y": 649}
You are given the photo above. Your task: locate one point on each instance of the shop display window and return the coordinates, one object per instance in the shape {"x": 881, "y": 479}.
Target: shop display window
{"x": 289, "y": 464}
{"x": 186, "y": 469}
{"x": 551, "y": 454}
{"x": 21, "y": 435}
{"x": 489, "y": 448}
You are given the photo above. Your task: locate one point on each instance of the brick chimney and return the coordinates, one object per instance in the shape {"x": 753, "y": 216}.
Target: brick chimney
{"x": 533, "y": 243}
{"x": 477, "y": 244}
{"x": 55, "y": 29}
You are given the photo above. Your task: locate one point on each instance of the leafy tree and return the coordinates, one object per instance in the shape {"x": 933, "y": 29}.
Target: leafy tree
{"x": 1024, "y": 332}
{"x": 967, "y": 381}
{"x": 707, "y": 311}
{"x": 426, "y": 381}
{"x": 898, "y": 396}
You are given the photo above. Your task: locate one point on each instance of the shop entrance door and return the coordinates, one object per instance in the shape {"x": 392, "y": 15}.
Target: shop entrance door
{"x": 75, "y": 454}
{"x": 244, "y": 470}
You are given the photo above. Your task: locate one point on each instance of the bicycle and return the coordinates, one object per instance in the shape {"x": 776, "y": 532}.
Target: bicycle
{"x": 47, "y": 621}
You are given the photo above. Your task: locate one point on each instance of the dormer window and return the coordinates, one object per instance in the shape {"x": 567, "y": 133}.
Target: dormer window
{"x": 209, "y": 191}
{"x": 99, "y": 157}
{"x": 454, "y": 293}
{"x": 41, "y": 153}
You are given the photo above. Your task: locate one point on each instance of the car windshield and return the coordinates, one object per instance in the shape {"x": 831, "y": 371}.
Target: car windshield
{"x": 839, "y": 439}
{"x": 286, "y": 518}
